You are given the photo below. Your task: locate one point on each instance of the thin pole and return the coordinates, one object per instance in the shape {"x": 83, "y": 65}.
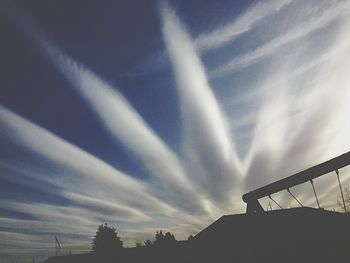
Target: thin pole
{"x": 57, "y": 246}
{"x": 312, "y": 183}
{"x": 294, "y": 197}
{"x": 275, "y": 202}
{"x": 341, "y": 190}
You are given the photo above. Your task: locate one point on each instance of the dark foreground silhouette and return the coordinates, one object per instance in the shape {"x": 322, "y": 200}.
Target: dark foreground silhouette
{"x": 289, "y": 235}
{"x": 286, "y": 235}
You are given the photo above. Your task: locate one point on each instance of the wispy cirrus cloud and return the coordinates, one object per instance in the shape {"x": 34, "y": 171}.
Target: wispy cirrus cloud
{"x": 39, "y": 141}
{"x": 123, "y": 122}
{"x": 240, "y": 25}
{"x": 208, "y": 145}
{"x": 96, "y": 191}
{"x": 321, "y": 18}
{"x": 220, "y": 35}
{"x": 77, "y": 173}
{"x": 303, "y": 117}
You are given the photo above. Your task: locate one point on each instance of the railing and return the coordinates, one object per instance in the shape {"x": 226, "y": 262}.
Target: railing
{"x": 251, "y": 198}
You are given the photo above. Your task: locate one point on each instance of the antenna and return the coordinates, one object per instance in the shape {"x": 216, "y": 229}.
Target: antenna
{"x": 57, "y": 246}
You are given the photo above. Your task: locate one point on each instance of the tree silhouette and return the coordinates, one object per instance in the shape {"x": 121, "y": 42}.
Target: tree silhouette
{"x": 106, "y": 240}
{"x": 346, "y": 200}
{"x": 164, "y": 240}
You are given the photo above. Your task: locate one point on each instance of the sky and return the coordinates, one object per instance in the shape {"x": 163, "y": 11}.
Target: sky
{"x": 152, "y": 115}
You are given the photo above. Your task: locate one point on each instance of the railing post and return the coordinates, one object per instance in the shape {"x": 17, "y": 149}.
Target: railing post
{"x": 313, "y": 188}
{"x": 341, "y": 190}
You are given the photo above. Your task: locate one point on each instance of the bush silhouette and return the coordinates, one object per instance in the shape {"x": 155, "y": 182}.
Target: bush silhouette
{"x": 148, "y": 243}
{"x": 138, "y": 244}
{"x": 106, "y": 241}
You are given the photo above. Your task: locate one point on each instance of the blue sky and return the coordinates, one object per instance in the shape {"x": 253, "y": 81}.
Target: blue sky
{"x": 154, "y": 115}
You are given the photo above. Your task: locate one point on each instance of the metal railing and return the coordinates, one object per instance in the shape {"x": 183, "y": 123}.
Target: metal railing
{"x": 332, "y": 165}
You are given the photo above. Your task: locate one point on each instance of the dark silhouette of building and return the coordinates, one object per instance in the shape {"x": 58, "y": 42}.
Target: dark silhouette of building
{"x": 300, "y": 234}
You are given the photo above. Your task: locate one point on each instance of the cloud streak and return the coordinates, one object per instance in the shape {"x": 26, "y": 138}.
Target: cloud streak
{"x": 207, "y": 142}
{"x": 245, "y": 22}
{"x": 123, "y": 122}
{"x": 219, "y": 36}
{"x": 73, "y": 170}
{"x": 302, "y": 120}
{"x": 320, "y": 20}
{"x": 96, "y": 191}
